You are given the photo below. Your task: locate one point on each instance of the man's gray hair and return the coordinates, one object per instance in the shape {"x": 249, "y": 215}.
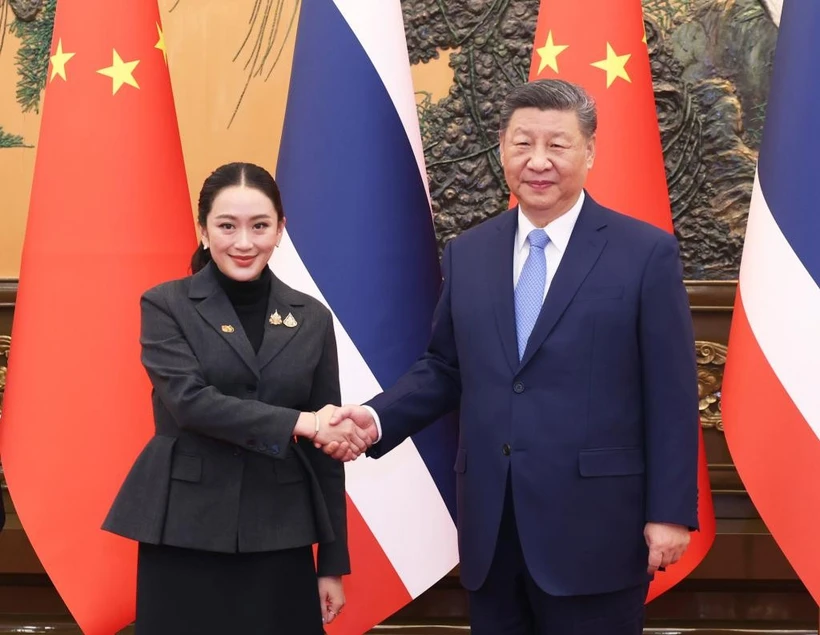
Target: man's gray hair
{"x": 552, "y": 94}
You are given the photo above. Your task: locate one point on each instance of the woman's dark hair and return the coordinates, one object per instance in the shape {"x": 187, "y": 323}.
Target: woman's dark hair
{"x": 229, "y": 175}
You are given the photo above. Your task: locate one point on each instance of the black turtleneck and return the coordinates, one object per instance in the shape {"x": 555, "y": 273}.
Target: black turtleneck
{"x": 250, "y": 301}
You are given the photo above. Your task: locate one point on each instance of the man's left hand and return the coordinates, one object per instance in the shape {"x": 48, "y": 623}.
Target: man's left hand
{"x": 666, "y": 544}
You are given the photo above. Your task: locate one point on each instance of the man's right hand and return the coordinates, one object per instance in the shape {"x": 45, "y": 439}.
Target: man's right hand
{"x": 362, "y": 418}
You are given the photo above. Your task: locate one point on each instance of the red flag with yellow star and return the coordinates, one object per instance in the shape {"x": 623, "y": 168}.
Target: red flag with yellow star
{"x": 109, "y": 217}
{"x": 601, "y": 44}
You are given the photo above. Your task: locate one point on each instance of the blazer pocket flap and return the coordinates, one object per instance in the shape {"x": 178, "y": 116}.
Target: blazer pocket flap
{"x": 187, "y": 467}
{"x": 611, "y": 462}
{"x": 289, "y": 470}
{"x": 461, "y": 461}
{"x": 600, "y": 293}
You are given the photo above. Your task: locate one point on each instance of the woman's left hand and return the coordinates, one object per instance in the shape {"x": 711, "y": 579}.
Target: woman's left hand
{"x": 331, "y": 597}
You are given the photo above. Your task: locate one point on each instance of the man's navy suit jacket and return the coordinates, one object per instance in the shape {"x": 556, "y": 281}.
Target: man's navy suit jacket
{"x": 597, "y": 425}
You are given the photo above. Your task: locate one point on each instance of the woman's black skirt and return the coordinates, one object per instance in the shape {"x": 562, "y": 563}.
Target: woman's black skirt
{"x": 187, "y": 591}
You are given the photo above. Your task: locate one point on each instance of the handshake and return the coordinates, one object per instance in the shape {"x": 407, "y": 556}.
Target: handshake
{"x": 342, "y": 432}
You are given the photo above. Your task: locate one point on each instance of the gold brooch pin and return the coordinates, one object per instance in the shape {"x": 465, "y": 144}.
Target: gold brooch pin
{"x": 290, "y": 321}
{"x": 275, "y": 318}
{"x": 227, "y": 328}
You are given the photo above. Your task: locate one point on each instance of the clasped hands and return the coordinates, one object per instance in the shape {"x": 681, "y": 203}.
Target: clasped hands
{"x": 344, "y": 431}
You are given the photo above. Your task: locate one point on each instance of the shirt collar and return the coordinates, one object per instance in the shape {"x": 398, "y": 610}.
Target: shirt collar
{"x": 559, "y": 230}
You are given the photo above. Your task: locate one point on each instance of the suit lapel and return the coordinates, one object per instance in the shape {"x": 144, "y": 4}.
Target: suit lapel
{"x": 500, "y": 277}
{"x": 583, "y": 250}
{"x": 216, "y": 310}
{"x": 290, "y": 309}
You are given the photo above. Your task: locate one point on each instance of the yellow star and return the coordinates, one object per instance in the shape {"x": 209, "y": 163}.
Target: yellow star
{"x": 59, "y": 60}
{"x": 549, "y": 54}
{"x": 614, "y": 65}
{"x": 121, "y": 72}
{"x": 161, "y": 44}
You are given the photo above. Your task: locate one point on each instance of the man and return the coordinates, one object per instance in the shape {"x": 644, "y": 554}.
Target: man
{"x": 563, "y": 334}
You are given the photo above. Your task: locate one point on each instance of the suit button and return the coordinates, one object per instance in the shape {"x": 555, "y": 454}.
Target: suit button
{"x": 250, "y": 389}
{"x": 505, "y": 449}
{"x": 518, "y": 387}
{"x": 237, "y": 451}
{"x": 251, "y": 443}
{"x": 274, "y": 449}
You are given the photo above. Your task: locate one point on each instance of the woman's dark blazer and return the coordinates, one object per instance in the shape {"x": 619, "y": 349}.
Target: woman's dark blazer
{"x": 223, "y": 472}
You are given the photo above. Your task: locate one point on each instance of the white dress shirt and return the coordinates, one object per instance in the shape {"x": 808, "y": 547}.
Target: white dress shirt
{"x": 559, "y": 232}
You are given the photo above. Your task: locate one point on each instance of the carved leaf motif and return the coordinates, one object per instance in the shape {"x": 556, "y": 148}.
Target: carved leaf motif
{"x": 711, "y": 358}
{"x": 25, "y": 10}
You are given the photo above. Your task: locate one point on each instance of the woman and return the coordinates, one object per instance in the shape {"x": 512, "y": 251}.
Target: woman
{"x": 229, "y": 496}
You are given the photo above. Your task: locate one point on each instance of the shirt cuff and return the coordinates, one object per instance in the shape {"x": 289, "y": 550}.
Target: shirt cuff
{"x": 377, "y": 422}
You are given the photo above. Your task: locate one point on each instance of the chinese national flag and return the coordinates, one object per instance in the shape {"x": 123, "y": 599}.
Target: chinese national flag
{"x": 109, "y": 217}
{"x": 600, "y": 44}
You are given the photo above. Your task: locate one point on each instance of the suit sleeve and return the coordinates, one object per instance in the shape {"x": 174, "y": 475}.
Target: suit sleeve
{"x": 178, "y": 380}
{"x": 431, "y": 387}
{"x": 333, "y": 557}
{"x": 670, "y": 389}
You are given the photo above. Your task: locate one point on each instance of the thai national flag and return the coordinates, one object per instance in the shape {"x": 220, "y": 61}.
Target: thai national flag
{"x": 360, "y": 238}
{"x": 771, "y": 390}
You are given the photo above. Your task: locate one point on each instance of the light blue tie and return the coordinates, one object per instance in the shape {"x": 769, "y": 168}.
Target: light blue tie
{"x": 529, "y": 292}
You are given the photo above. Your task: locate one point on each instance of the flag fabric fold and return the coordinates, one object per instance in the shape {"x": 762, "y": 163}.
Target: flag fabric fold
{"x": 360, "y": 238}
{"x": 109, "y": 217}
{"x": 608, "y": 56}
{"x": 771, "y": 405}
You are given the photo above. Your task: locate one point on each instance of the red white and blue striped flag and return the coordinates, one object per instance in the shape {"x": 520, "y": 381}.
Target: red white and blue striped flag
{"x": 360, "y": 238}
{"x": 771, "y": 395}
